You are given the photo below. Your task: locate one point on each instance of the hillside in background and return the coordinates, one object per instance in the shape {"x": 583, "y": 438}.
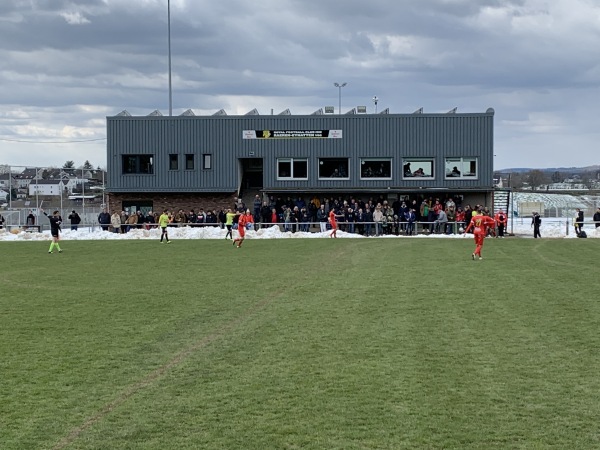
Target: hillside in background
{"x": 567, "y": 170}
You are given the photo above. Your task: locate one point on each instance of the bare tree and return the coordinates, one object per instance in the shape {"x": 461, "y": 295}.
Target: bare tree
{"x": 536, "y": 178}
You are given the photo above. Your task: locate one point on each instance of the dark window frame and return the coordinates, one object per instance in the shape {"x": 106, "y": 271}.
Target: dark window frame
{"x": 138, "y": 164}
{"x": 296, "y": 166}
{"x": 338, "y": 168}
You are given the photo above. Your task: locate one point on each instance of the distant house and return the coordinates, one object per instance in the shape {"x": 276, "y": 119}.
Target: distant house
{"x": 47, "y": 187}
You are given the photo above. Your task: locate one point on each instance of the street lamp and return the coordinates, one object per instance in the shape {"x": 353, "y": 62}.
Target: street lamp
{"x": 340, "y": 86}
{"x": 375, "y": 100}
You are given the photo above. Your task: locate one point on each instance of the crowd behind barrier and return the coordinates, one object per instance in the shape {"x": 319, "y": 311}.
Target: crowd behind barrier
{"x": 369, "y": 218}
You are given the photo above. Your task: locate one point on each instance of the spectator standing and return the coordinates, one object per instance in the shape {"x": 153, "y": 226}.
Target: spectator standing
{"x": 578, "y": 221}
{"x": 360, "y": 221}
{"x": 411, "y": 218}
{"x": 131, "y": 222}
{"x": 30, "y": 221}
{"x": 536, "y": 222}
{"x": 597, "y": 218}
{"x": 257, "y": 205}
{"x": 368, "y": 220}
{"x": 265, "y": 214}
{"x": 115, "y": 221}
{"x": 322, "y": 218}
{"x": 75, "y": 220}
{"x": 378, "y": 219}
{"x": 150, "y": 220}
{"x": 501, "y": 221}
{"x": 441, "y": 222}
{"x": 104, "y": 219}
{"x": 274, "y": 216}
{"x": 2, "y": 220}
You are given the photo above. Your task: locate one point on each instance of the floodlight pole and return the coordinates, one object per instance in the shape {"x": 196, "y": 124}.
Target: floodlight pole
{"x": 340, "y": 86}
{"x": 169, "y": 39}
{"x": 375, "y": 100}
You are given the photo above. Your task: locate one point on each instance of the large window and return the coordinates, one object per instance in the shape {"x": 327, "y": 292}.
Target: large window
{"x": 417, "y": 168}
{"x": 138, "y": 164}
{"x": 376, "y": 168}
{"x": 189, "y": 161}
{"x": 461, "y": 168}
{"x": 292, "y": 168}
{"x": 333, "y": 168}
{"x": 173, "y": 162}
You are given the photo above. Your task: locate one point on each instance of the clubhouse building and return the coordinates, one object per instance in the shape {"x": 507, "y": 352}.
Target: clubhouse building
{"x": 193, "y": 162}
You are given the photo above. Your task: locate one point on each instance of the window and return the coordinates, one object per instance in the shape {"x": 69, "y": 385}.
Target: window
{"x": 189, "y": 161}
{"x": 376, "y": 168}
{"x": 417, "y": 168}
{"x": 138, "y": 164}
{"x": 461, "y": 168}
{"x": 173, "y": 162}
{"x": 288, "y": 168}
{"x": 333, "y": 167}
{"x": 207, "y": 161}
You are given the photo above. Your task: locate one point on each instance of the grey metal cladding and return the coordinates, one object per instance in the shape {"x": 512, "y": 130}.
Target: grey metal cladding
{"x": 394, "y": 136}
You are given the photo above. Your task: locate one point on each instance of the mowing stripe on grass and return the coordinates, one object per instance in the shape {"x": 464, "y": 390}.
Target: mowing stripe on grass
{"x": 162, "y": 370}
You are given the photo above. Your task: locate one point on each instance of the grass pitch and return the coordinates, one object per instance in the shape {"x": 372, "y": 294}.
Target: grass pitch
{"x": 300, "y": 343}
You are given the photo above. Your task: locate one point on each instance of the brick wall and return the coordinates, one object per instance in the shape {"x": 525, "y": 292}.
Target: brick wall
{"x": 176, "y": 201}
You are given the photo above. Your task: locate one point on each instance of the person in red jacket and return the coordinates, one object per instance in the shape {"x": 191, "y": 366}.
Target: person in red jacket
{"x": 243, "y": 221}
{"x": 480, "y": 225}
{"x": 501, "y": 220}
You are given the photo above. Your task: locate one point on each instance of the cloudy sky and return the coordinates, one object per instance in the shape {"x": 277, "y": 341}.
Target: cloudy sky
{"x": 67, "y": 64}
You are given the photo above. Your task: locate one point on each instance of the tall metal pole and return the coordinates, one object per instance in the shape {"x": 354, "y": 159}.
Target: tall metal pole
{"x": 340, "y": 86}
{"x": 169, "y": 32}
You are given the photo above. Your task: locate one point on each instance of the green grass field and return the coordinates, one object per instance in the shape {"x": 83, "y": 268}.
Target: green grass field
{"x": 300, "y": 343}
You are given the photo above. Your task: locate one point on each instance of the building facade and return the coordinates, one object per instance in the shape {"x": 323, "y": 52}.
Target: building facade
{"x": 188, "y": 161}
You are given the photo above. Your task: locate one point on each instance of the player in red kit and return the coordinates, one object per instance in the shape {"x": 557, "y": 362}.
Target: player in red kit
{"x": 243, "y": 221}
{"x": 333, "y": 223}
{"x": 480, "y": 225}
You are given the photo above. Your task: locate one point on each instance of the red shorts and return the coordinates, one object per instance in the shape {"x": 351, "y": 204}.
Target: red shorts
{"x": 242, "y": 231}
{"x": 479, "y": 238}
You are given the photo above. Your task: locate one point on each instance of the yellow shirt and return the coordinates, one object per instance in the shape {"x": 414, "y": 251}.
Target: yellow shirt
{"x": 163, "y": 220}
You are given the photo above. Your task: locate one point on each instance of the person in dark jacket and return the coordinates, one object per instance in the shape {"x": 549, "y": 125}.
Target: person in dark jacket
{"x": 75, "y": 220}
{"x": 597, "y": 218}
{"x": 536, "y": 221}
{"x": 578, "y": 221}
{"x": 104, "y": 219}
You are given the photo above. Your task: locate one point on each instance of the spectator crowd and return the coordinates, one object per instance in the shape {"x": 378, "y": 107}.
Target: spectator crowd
{"x": 372, "y": 217}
